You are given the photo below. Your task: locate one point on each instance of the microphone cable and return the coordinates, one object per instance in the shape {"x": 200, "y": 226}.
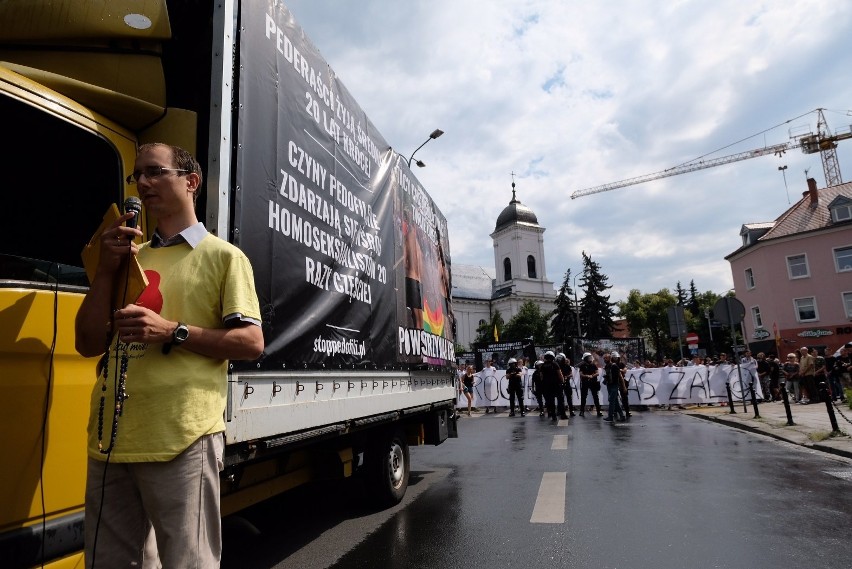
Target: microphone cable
{"x": 116, "y": 378}
{"x": 45, "y": 411}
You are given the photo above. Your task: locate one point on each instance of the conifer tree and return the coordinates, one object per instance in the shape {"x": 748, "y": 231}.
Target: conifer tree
{"x": 680, "y": 294}
{"x": 596, "y": 311}
{"x": 693, "y": 303}
{"x": 564, "y": 323}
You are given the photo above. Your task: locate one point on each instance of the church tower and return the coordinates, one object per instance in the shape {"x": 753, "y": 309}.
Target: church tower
{"x": 519, "y": 259}
{"x": 518, "y": 275}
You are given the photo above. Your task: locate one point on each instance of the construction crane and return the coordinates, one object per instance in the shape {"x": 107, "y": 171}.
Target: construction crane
{"x": 823, "y": 142}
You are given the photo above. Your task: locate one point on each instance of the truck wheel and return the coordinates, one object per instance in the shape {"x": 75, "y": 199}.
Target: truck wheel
{"x": 389, "y": 468}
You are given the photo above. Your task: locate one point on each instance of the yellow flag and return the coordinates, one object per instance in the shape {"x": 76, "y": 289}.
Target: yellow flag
{"x": 496, "y": 336}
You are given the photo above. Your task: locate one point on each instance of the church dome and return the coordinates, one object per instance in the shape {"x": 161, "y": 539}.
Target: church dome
{"x": 515, "y": 212}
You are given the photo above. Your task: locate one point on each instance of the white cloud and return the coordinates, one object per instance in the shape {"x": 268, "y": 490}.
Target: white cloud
{"x": 571, "y": 95}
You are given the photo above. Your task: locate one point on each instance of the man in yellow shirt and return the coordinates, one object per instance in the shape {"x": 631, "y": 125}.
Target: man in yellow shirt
{"x": 156, "y": 423}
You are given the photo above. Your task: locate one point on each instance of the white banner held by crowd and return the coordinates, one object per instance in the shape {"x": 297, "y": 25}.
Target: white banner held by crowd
{"x": 645, "y": 386}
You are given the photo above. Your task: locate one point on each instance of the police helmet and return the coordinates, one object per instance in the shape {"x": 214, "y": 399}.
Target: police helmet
{"x": 549, "y": 355}
{"x": 560, "y": 356}
{"x": 615, "y": 355}
{"x": 512, "y": 361}
{"x": 587, "y": 356}
{"x": 538, "y": 363}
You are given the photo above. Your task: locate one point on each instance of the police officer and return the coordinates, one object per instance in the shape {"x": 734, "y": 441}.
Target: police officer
{"x": 537, "y": 388}
{"x": 513, "y": 375}
{"x": 622, "y": 385}
{"x": 589, "y": 382}
{"x": 567, "y": 372}
{"x": 552, "y": 380}
{"x": 612, "y": 380}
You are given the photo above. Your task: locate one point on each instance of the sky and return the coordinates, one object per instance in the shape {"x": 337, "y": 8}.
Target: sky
{"x": 568, "y": 95}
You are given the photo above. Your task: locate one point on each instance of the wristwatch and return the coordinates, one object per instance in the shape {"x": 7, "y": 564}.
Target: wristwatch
{"x": 179, "y": 336}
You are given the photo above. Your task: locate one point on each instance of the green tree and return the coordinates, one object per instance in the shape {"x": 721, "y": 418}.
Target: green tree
{"x": 596, "y": 311}
{"x": 485, "y": 332}
{"x": 692, "y": 303}
{"x": 530, "y": 321}
{"x": 564, "y": 323}
{"x": 681, "y": 294}
{"x": 647, "y": 317}
{"x": 696, "y": 321}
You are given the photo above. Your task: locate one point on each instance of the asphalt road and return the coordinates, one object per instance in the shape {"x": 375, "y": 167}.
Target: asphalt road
{"x": 664, "y": 490}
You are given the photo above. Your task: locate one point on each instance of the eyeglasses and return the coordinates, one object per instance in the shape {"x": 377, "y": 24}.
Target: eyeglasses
{"x": 151, "y": 172}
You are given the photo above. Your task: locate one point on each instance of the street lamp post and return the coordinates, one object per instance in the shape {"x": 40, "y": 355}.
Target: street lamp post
{"x": 577, "y": 314}
{"x": 710, "y": 328}
{"x": 435, "y": 134}
{"x": 577, "y": 309}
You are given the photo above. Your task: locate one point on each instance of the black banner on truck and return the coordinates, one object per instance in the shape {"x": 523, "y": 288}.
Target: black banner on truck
{"x": 350, "y": 254}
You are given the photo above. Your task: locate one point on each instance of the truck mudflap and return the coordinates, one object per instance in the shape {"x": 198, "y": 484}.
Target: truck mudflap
{"x": 453, "y": 424}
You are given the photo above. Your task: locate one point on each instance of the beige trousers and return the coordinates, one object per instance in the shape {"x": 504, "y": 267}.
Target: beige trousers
{"x": 156, "y": 514}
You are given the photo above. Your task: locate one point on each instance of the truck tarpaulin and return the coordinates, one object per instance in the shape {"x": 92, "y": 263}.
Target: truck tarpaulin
{"x": 350, "y": 254}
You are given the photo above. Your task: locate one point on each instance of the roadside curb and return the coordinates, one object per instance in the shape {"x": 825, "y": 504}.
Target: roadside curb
{"x": 818, "y": 446}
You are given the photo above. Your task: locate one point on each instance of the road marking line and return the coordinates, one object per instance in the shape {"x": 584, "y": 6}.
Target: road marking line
{"x": 550, "y": 502}
{"x": 560, "y": 442}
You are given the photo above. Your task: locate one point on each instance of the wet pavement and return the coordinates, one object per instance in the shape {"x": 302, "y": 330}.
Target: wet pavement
{"x": 665, "y": 490}
{"x": 811, "y": 423}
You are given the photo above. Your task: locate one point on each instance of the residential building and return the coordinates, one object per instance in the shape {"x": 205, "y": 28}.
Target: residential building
{"x": 794, "y": 275}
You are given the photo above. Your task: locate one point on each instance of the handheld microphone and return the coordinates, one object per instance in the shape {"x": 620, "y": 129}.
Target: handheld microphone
{"x": 133, "y": 204}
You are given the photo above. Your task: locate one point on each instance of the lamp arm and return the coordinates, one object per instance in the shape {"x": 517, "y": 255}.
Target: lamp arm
{"x": 415, "y": 152}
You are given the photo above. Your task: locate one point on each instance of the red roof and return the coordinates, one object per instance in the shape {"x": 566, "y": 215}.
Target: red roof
{"x": 804, "y": 216}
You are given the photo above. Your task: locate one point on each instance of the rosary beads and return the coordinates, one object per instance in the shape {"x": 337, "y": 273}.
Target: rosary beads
{"x": 120, "y": 397}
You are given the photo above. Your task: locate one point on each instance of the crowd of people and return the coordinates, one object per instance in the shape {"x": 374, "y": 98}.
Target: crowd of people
{"x": 808, "y": 371}
{"x": 803, "y": 374}
{"x": 552, "y": 389}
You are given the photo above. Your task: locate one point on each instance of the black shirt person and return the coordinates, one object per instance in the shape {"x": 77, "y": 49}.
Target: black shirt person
{"x": 589, "y": 382}
{"x": 516, "y": 389}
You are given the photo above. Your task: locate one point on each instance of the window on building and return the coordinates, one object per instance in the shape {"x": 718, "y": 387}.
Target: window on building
{"x": 755, "y": 316}
{"x": 847, "y": 304}
{"x": 531, "y": 266}
{"x": 749, "y": 276}
{"x": 797, "y": 266}
{"x": 806, "y": 309}
{"x": 843, "y": 258}
{"x": 507, "y": 269}
{"x": 842, "y": 212}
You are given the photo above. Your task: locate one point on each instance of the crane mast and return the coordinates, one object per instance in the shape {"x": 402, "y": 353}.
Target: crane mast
{"x": 826, "y": 145}
{"x": 822, "y": 141}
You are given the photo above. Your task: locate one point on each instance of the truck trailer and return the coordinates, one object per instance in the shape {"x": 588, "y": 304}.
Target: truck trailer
{"x": 349, "y": 251}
